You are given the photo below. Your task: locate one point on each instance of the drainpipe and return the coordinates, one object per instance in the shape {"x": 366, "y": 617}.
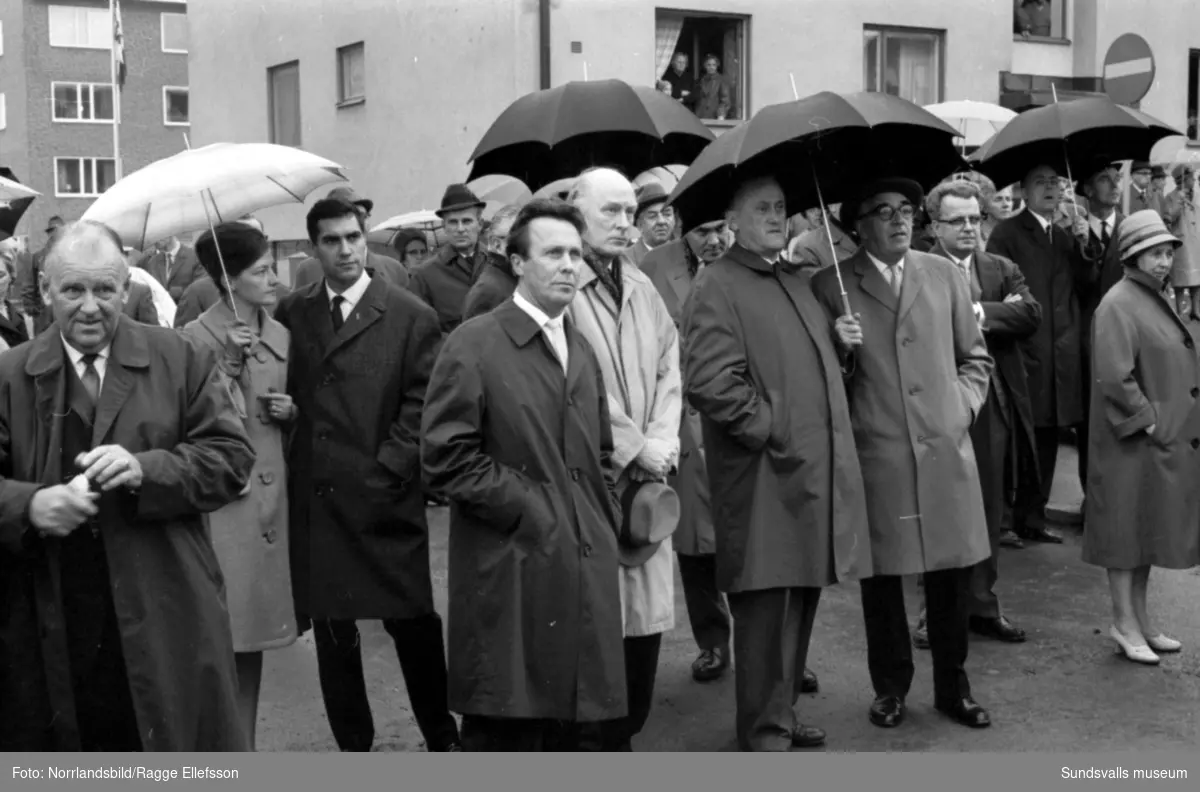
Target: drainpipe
{"x": 544, "y": 40}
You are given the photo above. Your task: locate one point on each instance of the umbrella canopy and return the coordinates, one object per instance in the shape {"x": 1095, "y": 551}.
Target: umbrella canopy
{"x": 500, "y": 189}
{"x": 559, "y": 188}
{"x": 834, "y": 141}
{"x": 975, "y": 121}
{"x": 1070, "y": 137}
{"x": 666, "y": 175}
{"x": 557, "y": 133}
{"x": 11, "y": 213}
{"x": 13, "y": 190}
{"x": 219, "y": 182}
{"x": 424, "y": 219}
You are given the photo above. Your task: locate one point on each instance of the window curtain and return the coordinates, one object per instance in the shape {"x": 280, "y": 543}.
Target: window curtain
{"x": 666, "y": 38}
{"x": 916, "y": 65}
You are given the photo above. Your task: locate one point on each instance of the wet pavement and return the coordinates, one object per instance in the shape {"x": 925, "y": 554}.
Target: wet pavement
{"x": 1063, "y": 690}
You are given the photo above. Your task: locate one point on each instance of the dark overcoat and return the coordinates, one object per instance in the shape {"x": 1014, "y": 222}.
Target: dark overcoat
{"x": 443, "y": 280}
{"x": 916, "y": 385}
{"x": 160, "y": 402}
{"x": 1059, "y": 273}
{"x": 495, "y": 285}
{"x": 1143, "y": 498}
{"x": 668, "y": 268}
{"x": 181, "y": 273}
{"x": 524, "y": 455}
{"x": 359, "y": 539}
{"x": 787, "y": 492}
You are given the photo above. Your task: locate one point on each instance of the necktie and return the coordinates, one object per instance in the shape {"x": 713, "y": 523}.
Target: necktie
{"x": 91, "y": 378}
{"x": 558, "y": 340}
{"x": 335, "y": 312}
{"x": 1104, "y": 235}
{"x": 896, "y": 277}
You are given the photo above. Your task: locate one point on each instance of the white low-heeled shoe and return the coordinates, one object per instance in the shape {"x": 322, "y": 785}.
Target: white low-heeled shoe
{"x": 1139, "y": 654}
{"x": 1162, "y": 643}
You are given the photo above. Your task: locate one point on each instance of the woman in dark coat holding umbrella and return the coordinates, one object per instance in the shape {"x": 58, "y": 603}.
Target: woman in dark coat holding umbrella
{"x": 1143, "y": 502}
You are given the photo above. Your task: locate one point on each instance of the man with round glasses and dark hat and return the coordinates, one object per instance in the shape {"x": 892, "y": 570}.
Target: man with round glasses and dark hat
{"x": 918, "y": 375}
{"x": 444, "y": 279}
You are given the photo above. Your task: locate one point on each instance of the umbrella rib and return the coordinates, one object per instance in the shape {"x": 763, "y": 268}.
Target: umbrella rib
{"x": 277, "y": 182}
{"x": 146, "y": 225}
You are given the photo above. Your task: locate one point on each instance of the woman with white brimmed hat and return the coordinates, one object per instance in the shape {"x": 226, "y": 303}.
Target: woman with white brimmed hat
{"x": 1144, "y": 436}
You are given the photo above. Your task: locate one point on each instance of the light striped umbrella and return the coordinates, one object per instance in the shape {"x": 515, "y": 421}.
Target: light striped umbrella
{"x": 975, "y": 121}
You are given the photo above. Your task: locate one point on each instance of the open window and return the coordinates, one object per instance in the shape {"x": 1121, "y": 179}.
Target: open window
{"x": 904, "y": 62}
{"x": 700, "y": 59}
{"x": 1040, "y": 19}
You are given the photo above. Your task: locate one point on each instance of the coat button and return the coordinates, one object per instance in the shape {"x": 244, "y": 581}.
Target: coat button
{"x": 322, "y": 435}
{"x": 691, "y": 410}
{"x": 266, "y": 477}
{"x": 570, "y": 402}
{"x": 270, "y": 536}
{"x": 684, "y": 455}
{"x": 1189, "y": 343}
{"x": 1195, "y": 392}
{"x": 261, "y": 357}
{"x": 328, "y": 380}
{"x": 574, "y": 474}
{"x": 587, "y": 551}
{"x": 1196, "y": 442}
{"x": 906, "y": 341}
{"x": 914, "y": 390}
{"x": 920, "y": 438}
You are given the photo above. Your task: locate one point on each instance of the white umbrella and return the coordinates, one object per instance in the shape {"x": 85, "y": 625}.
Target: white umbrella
{"x": 11, "y": 190}
{"x": 200, "y": 187}
{"x": 422, "y": 219}
{"x": 666, "y": 175}
{"x": 977, "y": 121}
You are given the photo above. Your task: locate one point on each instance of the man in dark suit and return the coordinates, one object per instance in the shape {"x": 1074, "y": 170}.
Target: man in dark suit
{"x": 378, "y": 265}
{"x": 139, "y": 304}
{"x": 1003, "y": 431}
{"x": 172, "y": 264}
{"x": 361, "y": 354}
{"x": 1140, "y": 195}
{"x": 1060, "y": 266}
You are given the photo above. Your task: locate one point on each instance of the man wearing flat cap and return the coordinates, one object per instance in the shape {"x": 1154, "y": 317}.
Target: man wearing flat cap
{"x": 377, "y": 265}
{"x": 787, "y": 495}
{"x": 918, "y": 377}
{"x": 1140, "y": 195}
{"x": 654, "y": 220}
{"x": 444, "y": 279}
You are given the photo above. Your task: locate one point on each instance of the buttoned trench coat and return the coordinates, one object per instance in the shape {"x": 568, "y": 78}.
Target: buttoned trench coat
{"x": 522, "y": 452}
{"x": 638, "y": 350}
{"x": 788, "y": 502}
{"x": 160, "y": 402}
{"x": 250, "y": 535}
{"x": 1142, "y": 494}
{"x": 667, "y": 268}
{"x": 916, "y": 385}
{"x": 359, "y": 538}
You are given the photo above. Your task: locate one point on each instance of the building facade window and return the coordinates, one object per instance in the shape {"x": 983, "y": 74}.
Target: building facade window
{"x": 75, "y": 26}
{"x": 284, "y": 98}
{"x": 1040, "y": 19}
{"x": 3, "y": 112}
{"x": 83, "y": 177}
{"x": 175, "y": 106}
{"x": 1193, "y": 95}
{"x": 82, "y": 102}
{"x": 704, "y": 54}
{"x": 904, "y": 62}
{"x": 351, "y": 73}
{"x": 174, "y": 33}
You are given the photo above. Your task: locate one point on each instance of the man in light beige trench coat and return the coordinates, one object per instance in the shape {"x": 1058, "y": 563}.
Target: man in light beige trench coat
{"x": 618, "y": 310}
{"x": 918, "y": 376}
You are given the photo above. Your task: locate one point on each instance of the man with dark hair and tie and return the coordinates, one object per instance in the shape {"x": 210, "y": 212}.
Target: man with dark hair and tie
{"x": 361, "y": 353}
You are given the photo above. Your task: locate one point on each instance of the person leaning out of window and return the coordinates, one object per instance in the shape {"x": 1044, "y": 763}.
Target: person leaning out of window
{"x": 1143, "y": 502}
{"x": 715, "y": 99}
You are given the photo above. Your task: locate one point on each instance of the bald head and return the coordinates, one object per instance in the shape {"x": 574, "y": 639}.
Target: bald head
{"x": 86, "y": 243}
{"x": 758, "y": 216}
{"x": 84, "y": 283}
{"x": 608, "y": 203}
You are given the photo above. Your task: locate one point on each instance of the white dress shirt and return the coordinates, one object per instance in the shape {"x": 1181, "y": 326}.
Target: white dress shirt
{"x": 1099, "y": 225}
{"x": 100, "y": 363}
{"x": 555, "y": 333}
{"x": 1043, "y": 222}
{"x": 887, "y": 271}
{"x": 351, "y": 296}
{"x": 964, "y": 266}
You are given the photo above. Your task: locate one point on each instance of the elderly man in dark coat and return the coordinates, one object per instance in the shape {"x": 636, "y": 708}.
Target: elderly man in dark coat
{"x": 113, "y": 630}
{"x": 1003, "y": 432}
{"x": 386, "y": 268}
{"x": 918, "y": 379}
{"x": 655, "y": 220}
{"x": 517, "y": 436}
{"x": 173, "y": 264}
{"x": 787, "y": 494}
{"x": 1060, "y": 267}
{"x": 361, "y": 353}
{"x": 444, "y": 279}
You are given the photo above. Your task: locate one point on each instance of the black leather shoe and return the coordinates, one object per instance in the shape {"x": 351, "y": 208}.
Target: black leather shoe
{"x": 807, "y": 737}
{"x": 888, "y": 712}
{"x": 920, "y": 636}
{"x": 710, "y": 665}
{"x": 1010, "y": 539}
{"x": 966, "y": 712}
{"x": 808, "y": 682}
{"x": 999, "y": 628}
{"x": 1040, "y": 533}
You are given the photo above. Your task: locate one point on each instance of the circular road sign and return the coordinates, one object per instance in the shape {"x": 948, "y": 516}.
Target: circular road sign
{"x": 1128, "y": 69}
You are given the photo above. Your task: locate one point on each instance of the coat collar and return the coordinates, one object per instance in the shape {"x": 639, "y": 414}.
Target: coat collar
{"x": 522, "y": 329}
{"x": 752, "y": 260}
{"x": 129, "y": 348}
{"x": 873, "y": 283}
{"x": 274, "y": 337}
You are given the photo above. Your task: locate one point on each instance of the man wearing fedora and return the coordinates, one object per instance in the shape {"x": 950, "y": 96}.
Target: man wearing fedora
{"x": 377, "y": 265}
{"x": 787, "y": 494}
{"x": 654, "y": 220}
{"x": 444, "y": 279}
{"x": 533, "y": 510}
{"x": 918, "y": 373}
{"x": 1140, "y": 194}
{"x": 618, "y": 310}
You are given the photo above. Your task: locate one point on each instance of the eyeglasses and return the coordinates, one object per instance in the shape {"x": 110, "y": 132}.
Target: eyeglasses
{"x": 886, "y": 212}
{"x": 960, "y": 222}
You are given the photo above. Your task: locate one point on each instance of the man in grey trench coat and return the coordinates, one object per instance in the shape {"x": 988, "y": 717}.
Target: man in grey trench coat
{"x": 918, "y": 377}
{"x": 787, "y": 494}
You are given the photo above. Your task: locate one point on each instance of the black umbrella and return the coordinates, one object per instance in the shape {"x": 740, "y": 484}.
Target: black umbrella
{"x": 557, "y": 133}
{"x": 12, "y": 211}
{"x": 1069, "y": 136}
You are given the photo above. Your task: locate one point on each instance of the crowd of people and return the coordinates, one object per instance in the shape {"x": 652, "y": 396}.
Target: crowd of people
{"x": 597, "y": 395}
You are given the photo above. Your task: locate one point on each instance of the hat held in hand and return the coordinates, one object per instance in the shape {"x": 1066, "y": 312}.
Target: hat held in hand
{"x": 457, "y": 198}
{"x": 649, "y": 515}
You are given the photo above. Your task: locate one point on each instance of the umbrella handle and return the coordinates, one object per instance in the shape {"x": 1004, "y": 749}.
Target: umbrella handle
{"x": 832, "y": 249}
{"x": 217, "y": 245}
